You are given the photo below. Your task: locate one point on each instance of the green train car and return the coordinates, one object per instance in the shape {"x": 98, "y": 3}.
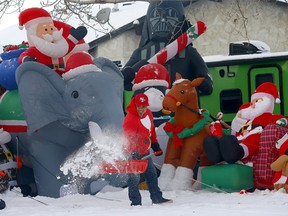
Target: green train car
{"x": 237, "y": 76}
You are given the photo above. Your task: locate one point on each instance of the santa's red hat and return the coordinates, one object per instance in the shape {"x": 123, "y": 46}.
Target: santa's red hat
{"x": 79, "y": 63}
{"x": 152, "y": 74}
{"x": 32, "y": 16}
{"x": 266, "y": 89}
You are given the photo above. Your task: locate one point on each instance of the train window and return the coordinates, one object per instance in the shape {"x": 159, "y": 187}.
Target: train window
{"x": 230, "y": 100}
{"x": 261, "y": 78}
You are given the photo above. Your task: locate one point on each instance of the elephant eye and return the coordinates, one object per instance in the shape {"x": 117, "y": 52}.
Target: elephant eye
{"x": 75, "y": 94}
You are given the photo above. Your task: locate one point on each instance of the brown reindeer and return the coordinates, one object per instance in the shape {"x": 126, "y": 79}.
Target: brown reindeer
{"x": 186, "y": 132}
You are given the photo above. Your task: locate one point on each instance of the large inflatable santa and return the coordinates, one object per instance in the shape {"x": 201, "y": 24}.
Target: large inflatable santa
{"x": 48, "y": 44}
{"x": 249, "y": 124}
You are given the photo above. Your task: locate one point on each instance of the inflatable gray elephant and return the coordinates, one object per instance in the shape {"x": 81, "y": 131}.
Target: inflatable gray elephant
{"x": 57, "y": 112}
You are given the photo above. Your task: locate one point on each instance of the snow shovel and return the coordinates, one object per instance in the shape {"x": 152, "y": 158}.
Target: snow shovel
{"x": 128, "y": 166}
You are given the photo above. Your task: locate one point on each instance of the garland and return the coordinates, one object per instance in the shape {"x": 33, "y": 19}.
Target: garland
{"x": 179, "y": 132}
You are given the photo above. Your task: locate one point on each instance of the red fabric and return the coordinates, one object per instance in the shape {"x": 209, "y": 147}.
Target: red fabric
{"x": 139, "y": 137}
{"x": 252, "y": 141}
{"x": 47, "y": 60}
{"x": 169, "y": 127}
{"x": 268, "y": 153}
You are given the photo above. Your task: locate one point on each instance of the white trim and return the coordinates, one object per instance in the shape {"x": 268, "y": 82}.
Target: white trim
{"x": 13, "y": 122}
{"x": 80, "y": 48}
{"x": 152, "y": 82}
{"x": 37, "y": 21}
{"x": 281, "y": 180}
{"x": 178, "y": 81}
{"x": 246, "y": 150}
{"x": 79, "y": 70}
{"x": 282, "y": 140}
{"x": 73, "y": 39}
{"x": 262, "y": 94}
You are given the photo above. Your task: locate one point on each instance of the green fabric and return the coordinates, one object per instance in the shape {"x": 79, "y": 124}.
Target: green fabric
{"x": 186, "y": 132}
{"x": 226, "y": 131}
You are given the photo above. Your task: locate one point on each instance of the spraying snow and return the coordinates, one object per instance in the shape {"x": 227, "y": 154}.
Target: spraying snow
{"x": 104, "y": 146}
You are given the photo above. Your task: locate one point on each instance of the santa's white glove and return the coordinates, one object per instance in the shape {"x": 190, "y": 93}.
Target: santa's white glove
{"x": 282, "y": 122}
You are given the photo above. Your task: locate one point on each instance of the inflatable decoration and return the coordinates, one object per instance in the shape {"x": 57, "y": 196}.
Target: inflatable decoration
{"x": 165, "y": 26}
{"x": 280, "y": 165}
{"x": 153, "y": 80}
{"x": 49, "y": 46}
{"x": 256, "y": 129}
{"x": 9, "y": 65}
{"x": 12, "y": 117}
{"x": 186, "y": 131}
{"x": 58, "y": 111}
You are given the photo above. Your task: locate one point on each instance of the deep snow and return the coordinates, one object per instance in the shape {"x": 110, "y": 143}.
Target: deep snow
{"x": 204, "y": 203}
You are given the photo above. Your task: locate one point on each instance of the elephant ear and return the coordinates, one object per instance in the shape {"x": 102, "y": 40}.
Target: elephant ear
{"x": 40, "y": 90}
{"x": 109, "y": 67}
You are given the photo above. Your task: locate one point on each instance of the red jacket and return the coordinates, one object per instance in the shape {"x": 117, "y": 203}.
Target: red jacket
{"x": 140, "y": 132}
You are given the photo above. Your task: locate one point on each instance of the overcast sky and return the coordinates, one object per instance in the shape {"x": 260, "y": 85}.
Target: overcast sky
{"x": 10, "y": 33}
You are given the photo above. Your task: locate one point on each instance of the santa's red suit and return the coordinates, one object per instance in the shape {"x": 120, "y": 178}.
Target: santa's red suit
{"x": 249, "y": 135}
{"x": 31, "y": 18}
{"x": 57, "y": 64}
{"x": 282, "y": 146}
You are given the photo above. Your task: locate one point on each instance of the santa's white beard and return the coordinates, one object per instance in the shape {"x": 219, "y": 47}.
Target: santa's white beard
{"x": 57, "y": 49}
{"x": 237, "y": 123}
{"x": 261, "y": 107}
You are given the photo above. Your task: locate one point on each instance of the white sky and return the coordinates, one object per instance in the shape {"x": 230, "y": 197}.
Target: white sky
{"x": 10, "y": 33}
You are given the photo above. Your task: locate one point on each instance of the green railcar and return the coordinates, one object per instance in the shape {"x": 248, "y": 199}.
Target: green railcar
{"x": 236, "y": 77}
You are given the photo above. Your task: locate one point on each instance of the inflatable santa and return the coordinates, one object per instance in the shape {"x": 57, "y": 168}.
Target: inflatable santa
{"x": 48, "y": 44}
{"x": 249, "y": 123}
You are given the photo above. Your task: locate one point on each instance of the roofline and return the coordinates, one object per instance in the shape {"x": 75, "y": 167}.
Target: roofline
{"x": 95, "y": 43}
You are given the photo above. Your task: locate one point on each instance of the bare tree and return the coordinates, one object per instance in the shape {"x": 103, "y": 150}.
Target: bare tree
{"x": 85, "y": 11}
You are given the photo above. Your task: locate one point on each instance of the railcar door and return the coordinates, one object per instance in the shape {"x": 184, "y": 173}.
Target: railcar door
{"x": 266, "y": 73}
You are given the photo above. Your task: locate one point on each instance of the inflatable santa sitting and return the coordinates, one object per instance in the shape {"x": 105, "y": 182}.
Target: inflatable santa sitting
{"x": 249, "y": 123}
{"x": 48, "y": 44}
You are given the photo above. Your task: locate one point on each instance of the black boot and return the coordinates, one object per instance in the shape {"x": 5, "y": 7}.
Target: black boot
{"x": 230, "y": 149}
{"x": 2, "y": 204}
{"x": 211, "y": 148}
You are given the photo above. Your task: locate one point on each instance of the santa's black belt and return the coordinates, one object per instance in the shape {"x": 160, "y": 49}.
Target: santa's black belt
{"x": 56, "y": 66}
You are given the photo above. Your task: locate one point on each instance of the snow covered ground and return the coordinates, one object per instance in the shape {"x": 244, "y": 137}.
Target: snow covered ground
{"x": 204, "y": 203}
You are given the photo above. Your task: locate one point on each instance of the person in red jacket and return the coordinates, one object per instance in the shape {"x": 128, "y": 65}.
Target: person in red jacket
{"x": 139, "y": 129}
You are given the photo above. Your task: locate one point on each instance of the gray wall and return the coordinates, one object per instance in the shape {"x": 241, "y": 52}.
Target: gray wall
{"x": 227, "y": 21}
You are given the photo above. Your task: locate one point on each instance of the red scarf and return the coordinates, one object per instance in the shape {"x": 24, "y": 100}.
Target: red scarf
{"x": 169, "y": 127}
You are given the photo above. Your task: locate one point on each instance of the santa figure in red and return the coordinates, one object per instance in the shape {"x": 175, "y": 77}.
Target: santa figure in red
{"x": 251, "y": 119}
{"x": 280, "y": 165}
{"x": 48, "y": 45}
